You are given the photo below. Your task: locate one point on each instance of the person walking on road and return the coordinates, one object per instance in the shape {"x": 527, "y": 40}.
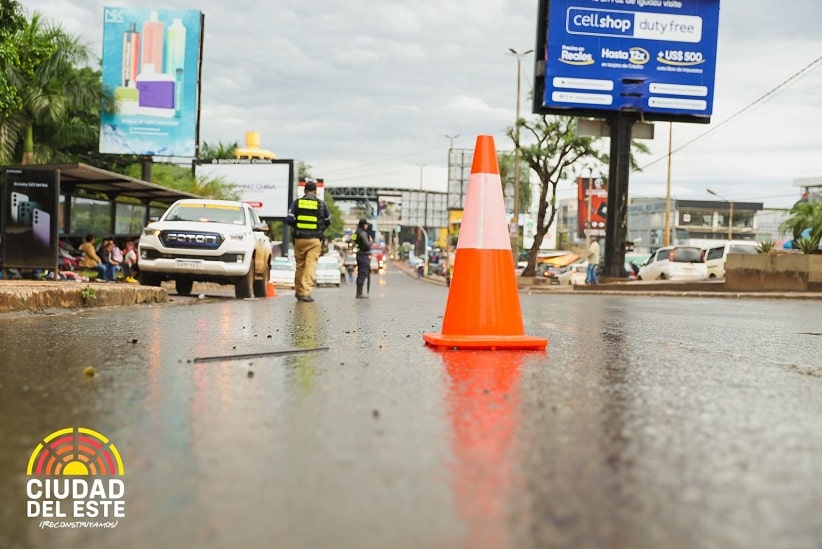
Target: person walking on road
{"x": 593, "y": 262}
{"x": 362, "y": 241}
{"x": 309, "y": 217}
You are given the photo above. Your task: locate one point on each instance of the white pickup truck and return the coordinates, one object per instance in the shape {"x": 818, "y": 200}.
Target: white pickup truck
{"x": 202, "y": 240}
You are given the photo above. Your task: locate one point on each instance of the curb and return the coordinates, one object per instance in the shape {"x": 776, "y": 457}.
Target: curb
{"x": 29, "y": 295}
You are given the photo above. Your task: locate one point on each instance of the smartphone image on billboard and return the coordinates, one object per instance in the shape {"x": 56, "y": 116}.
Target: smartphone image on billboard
{"x": 41, "y": 225}
{"x": 24, "y": 211}
{"x": 16, "y": 200}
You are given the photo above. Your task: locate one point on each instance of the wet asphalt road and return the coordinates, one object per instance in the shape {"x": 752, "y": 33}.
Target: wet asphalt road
{"x": 649, "y": 422}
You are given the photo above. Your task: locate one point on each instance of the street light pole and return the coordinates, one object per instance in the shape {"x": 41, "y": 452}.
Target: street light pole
{"x": 667, "y": 238}
{"x": 515, "y": 238}
{"x": 730, "y": 212}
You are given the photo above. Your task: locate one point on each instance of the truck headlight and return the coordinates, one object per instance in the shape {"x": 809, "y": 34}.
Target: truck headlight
{"x": 151, "y": 232}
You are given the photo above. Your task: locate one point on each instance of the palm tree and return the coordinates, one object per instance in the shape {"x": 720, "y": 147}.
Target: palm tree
{"x": 51, "y": 87}
{"x": 218, "y": 151}
{"x": 805, "y": 223}
{"x": 11, "y": 22}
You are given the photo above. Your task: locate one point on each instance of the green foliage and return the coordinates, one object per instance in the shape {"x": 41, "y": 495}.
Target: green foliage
{"x": 181, "y": 179}
{"x": 808, "y": 244}
{"x": 218, "y": 151}
{"x": 805, "y": 224}
{"x": 765, "y": 246}
{"x": 58, "y": 95}
{"x": 12, "y": 22}
{"x": 88, "y": 293}
{"x": 335, "y": 230}
{"x": 554, "y": 151}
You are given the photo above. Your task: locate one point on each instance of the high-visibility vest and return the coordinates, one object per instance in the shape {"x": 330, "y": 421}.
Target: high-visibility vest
{"x": 307, "y": 218}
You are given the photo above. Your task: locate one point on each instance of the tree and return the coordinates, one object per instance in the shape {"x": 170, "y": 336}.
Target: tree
{"x": 805, "y": 223}
{"x": 51, "y": 88}
{"x": 219, "y": 151}
{"x": 12, "y": 22}
{"x": 335, "y": 229}
{"x": 180, "y": 178}
{"x": 556, "y": 149}
{"x": 506, "y": 174}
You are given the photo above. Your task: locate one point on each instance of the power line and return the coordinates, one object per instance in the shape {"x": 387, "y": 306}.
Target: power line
{"x": 761, "y": 99}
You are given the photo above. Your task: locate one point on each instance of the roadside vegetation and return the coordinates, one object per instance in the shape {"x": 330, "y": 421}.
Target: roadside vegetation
{"x": 805, "y": 224}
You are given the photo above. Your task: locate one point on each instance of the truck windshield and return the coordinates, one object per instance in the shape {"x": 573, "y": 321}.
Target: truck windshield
{"x": 207, "y": 213}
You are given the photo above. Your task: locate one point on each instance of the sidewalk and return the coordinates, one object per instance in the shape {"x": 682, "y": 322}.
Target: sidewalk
{"x": 42, "y": 295}
{"x": 707, "y": 288}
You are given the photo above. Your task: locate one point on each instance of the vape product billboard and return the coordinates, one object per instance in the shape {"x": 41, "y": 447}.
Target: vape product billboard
{"x": 151, "y": 64}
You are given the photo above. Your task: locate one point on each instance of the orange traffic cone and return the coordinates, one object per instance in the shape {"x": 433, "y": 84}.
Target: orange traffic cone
{"x": 483, "y": 310}
{"x": 269, "y": 290}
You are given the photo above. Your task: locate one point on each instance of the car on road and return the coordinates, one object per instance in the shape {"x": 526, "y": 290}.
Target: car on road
{"x": 328, "y": 271}
{"x": 573, "y": 275}
{"x": 282, "y": 272}
{"x": 715, "y": 256}
{"x": 204, "y": 240}
{"x": 675, "y": 263}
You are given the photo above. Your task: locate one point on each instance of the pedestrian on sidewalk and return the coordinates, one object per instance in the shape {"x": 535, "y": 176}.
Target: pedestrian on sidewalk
{"x": 593, "y": 262}
{"x": 362, "y": 241}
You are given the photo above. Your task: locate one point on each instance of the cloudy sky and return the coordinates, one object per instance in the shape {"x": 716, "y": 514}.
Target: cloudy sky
{"x": 367, "y": 91}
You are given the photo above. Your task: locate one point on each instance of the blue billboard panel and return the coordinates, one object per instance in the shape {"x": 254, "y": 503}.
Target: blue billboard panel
{"x": 151, "y": 62}
{"x": 657, "y": 57}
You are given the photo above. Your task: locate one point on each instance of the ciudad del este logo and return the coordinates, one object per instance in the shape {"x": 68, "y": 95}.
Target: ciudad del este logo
{"x": 75, "y": 473}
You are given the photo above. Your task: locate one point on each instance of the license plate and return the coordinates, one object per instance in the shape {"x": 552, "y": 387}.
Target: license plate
{"x": 188, "y": 264}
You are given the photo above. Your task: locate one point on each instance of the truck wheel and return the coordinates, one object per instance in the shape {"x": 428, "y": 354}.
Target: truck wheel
{"x": 244, "y": 287}
{"x": 183, "y": 286}
{"x": 261, "y": 284}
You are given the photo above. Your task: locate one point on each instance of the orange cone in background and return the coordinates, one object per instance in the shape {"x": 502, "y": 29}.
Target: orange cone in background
{"x": 269, "y": 290}
{"x": 483, "y": 310}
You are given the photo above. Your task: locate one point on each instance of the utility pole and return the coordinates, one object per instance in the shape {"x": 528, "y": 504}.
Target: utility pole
{"x": 515, "y": 237}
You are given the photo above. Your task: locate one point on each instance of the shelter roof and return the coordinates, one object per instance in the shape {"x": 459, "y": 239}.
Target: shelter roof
{"x": 111, "y": 184}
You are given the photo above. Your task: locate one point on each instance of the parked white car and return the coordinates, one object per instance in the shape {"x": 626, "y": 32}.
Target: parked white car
{"x": 574, "y": 275}
{"x": 675, "y": 263}
{"x": 715, "y": 256}
{"x": 283, "y": 271}
{"x": 328, "y": 271}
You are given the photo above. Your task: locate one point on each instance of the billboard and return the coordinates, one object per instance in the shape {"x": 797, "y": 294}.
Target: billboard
{"x": 592, "y": 206}
{"x": 656, "y": 57}
{"x": 31, "y": 200}
{"x": 151, "y": 65}
{"x": 265, "y": 184}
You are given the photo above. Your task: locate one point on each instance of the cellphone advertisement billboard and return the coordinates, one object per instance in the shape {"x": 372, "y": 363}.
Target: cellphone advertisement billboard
{"x": 151, "y": 61}
{"x": 31, "y": 199}
{"x": 657, "y": 57}
{"x": 592, "y": 204}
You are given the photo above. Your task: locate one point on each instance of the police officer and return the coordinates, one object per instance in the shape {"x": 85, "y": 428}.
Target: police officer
{"x": 362, "y": 242}
{"x": 309, "y": 218}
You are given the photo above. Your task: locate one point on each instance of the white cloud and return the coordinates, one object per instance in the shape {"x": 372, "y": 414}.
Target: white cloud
{"x": 367, "y": 91}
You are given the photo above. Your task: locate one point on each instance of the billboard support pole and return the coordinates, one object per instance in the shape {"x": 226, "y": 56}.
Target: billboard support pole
{"x": 616, "y": 222}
